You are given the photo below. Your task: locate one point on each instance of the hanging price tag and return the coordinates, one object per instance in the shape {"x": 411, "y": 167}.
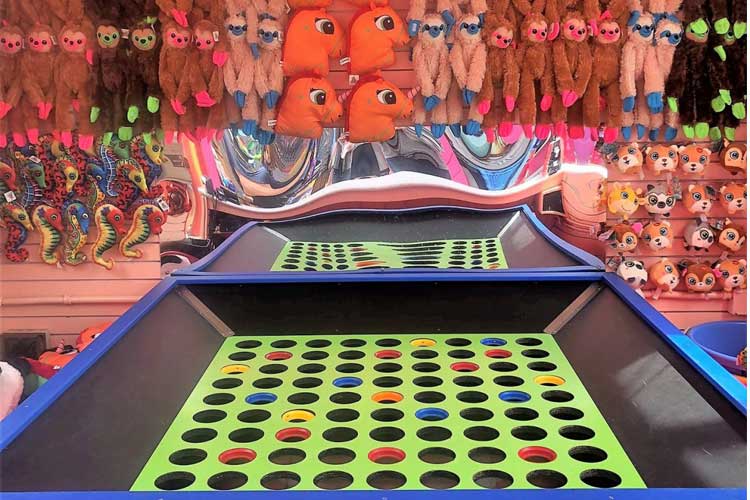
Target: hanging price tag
{"x": 10, "y": 196}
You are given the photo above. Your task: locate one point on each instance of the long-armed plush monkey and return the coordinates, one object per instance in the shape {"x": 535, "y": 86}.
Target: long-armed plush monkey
{"x": 434, "y": 75}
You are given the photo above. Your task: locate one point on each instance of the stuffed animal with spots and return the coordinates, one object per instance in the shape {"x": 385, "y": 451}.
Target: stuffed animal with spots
{"x": 698, "y": 235}
{"x": 434, "y": 75}
{"x": 733, "y": 197}
{"x": 371, "y": 119}
{"x": 698, "y": 198}
{"x": 373, "y": 35}
{"x": 634, "y": 273}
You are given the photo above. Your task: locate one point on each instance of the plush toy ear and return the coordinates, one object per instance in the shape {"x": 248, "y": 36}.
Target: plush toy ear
{"x": 743, "y": 262}
{"x": 638, "y": 191}
{"x": 691, "y": 187}
{"x": 649, "y": 187}
{"x": 674, "y": 148}
{"x": 681, "y": 148}
{"x": 716, "y": 271}
{"x": 667, "y": 223}
{"x": 726, "y": 142}
{"x": 606, "y": 235}
{"x": 648, "y": 149}
{"x": 638, "y": 228}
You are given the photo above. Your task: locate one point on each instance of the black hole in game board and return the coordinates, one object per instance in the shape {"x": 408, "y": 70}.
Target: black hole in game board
{"x": 307, "y": 382}
{"x": 600, "y": 478}
{"x": 424, "y": 354}
{"x": 468, "y": 381}
{"x": 188, "y": 456}
{"x": 521, "y": 413}
{"x": 282, "y": 480}
{"x": 386, "y": 434}
{"x": 303, "y": 398}
{"x": 283, "y": 344}
{"x": 387, "y": 367}
{"x": 342, "y": 415}
{"x": 528, "y": 341}
{"x": 387, "y": 382}
{"x": 557, "y": 396}
{"x": 472, "y": 397}
{"x": 351, "y": 355}
{"x": 311, "y": 368}
{"x": 576, "y": 432}
{"x": 267, "y": 383}
{"x": 434, "y": 433}
{"x": 427, "y": 381}
{"x": 336, "y": 456}
{"x": 242, "y": 356}
{"x": 220, "y": 398}
{"x": 588, "y": 454}
{"x": 429, "y": 397}
{"x": 209, "y": 416}
{"x": 566, "y": 413}
{"x": 386, "y": 480}
{"x": 248, "y": 344}
{"x": 349, "y": 368}
{"x": 487, "y": 455}
{"x": 542, "y": 366}
{"x": 287, "y": 456}
{"x": 254, "y": 416}
{"x": 481, "y": 433}
{"x": 227, "y": 383}
{"x": 535, "y": 353}
{"x": 314, "y": 355}
{"x": 439, "y": 479}
{"x": 174, "y": 481}
{"x": 246, "y": 435}
{"x": 227, "y": 480}
{"x": 508, "y": 381}
{"x": 388, "y": 343}
{"x": 273, "y": 369}
{"x": 503, "y": 366}
{"x": 345, "y": 398}
{"x": 458, "y": 342}
{"x": 339, "y": 434}
{"x": 461, "y": 354}
{"x": 476, "y": 414}
{"x": 493, "y": 479}
{"x": 333, "y": 480}
{"x": 318, "y": 343}
{"x": 544, "y": 478}
{"x": 353, "y": 343}
{"x": 426, "y": 367}
{"x": 200, "y": 435}
{"x": 387, "y": 415}
{"x": 437, "y": 455}
{"x": 529, "y": 433}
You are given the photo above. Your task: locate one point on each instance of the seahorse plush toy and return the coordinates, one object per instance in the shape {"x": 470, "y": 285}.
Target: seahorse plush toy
{"x": 48, "y": 221}
{"x": 18, "y": 223}
{"x": 110, "y": 222}
{"x": 147, "y": 220}
{"x": 77, "y": 221}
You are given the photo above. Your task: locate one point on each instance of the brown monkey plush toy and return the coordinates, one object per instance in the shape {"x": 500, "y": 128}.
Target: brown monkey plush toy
{"x": 37, "y": 68}
{"x": 207, "y": 79}
{"x": 143, "y": 80}
{"x": 11, "y": 45}
{"x": 434, "y": 75}
{"x": 537, "y": 77}
{"x": 110, "y": 68}
{"x": 174, "y": 57}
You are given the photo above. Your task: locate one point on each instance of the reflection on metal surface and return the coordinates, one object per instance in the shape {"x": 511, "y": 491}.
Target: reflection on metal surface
{"x": 291, "y": 169}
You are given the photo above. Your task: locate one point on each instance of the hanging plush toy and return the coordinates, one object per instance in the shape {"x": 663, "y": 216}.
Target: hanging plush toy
{"x": 699, "y": 277}
{"x": 176, "y": 9}
{"x": 623, "y": 237}
{"x": 605, "y": 81}
{"x": 634, "y": 273}
{"x": 694, "y": 158}
{"x": 633, "y": 63}
{"x": 37, "y": 68}
{"x": 450, "y": 10}
{"x": 143, "y": 91}
{"x": 500, "y": 88}
{"x": 147, "y": 220}
{"x": 731, "y": 237}
{"x": 658, "y": 235}
{"x": 242, "y": 107}
{"x": 434, "y": 75}
{"x": 48, "y": 221}
{"x": 110, "y": 222}
{"x": 312, "y": 36}
{"x": 174, "y": 83}
{"x": 372, "y": 107}
{"x": 537, "y": 77}
{"x": 732, "y": 273}
{"x": 207, "y": 78}
{"x": 660, "y": 199}
{"x": 733, "y": 157}
{"x": 373, "y": 34}
{"x": 307, "y": 105}
{"x": 271, "y": 9}
{"x": 468, "y": 59}
{"x": 698, "y": 235}
{"x": 733, "y": 197}
{"x": 623, "y": 200}
{"x": 18, "y": 224}
{"x": 76, "y": 220}
{"x": 661, "y": 158}
{"x": 664, "y": 275}
{"x": 628, "y": 159}
{"x": 269, "y": 77}
{"x": 11, "y": 80}
{"x": 698, "y": 198}
{"x": 111, "y": 73}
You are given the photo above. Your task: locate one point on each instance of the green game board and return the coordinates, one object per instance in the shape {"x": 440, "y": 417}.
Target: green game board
{"x": 484, "y": 253}
{"x": 382, "y": 412}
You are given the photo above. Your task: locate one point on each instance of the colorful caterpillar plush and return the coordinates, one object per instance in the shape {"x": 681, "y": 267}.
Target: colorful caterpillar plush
{"x": 18, "y": 222}
{"x": 147, "y": 220}
{"x": 77, "y": 221}
{"x": 48, "y": 221}
{"x": 110, "y": 221}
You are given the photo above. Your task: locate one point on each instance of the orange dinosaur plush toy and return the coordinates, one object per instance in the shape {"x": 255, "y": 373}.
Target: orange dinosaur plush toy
{"x": 307, "y": 104}
{"x": 373, "y": 34}
{"x": 372, "y": 106}
{"x": 312, "y": 36}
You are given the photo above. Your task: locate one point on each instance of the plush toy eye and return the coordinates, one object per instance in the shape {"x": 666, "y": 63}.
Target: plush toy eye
{"x": 653, "y": 200}
{"x": 79, "y": 41}
{"x": 384, "y": 23}
{"x": 631, "y": 151}
{"x": 172, "y": 34}
{"x": 53, "y": 217}
{"x": 629, "y": 263}
{"x": 603, "y": 31}
{"x": 663, "y": 231}
{"x": 324, "y": 25}
{"x": 734, "y": 155}
{"x": 426, "y": 27}
{"x": 742, "y": 270}
{"x": 72, "y": 177}
{"x": 629, "y": 240}
{"x": 137, "y": 178}
{"x": 729, "y": 196}
{"x": 685, "y": 158}
{"x": 647, "y": 237}
{"x": 668, "y": 269}
{"x": 654, "y": 156}
{"x": 692, "y": 281}
{"x": 37, "y": 174}
{"x": 725, "y": 274}
{"x": 709, "y": 280}
{"x": 318, "y": 96}
{"x": 44, "y": 42}
{"x": 704, "y": 235}
{"x": 386, "y": 96}
{"x": 66, "y": 39}
{"x": 21, "y": 217}
{"x": 85, "y": 216}
{"x": 638, "y": 265}
{"x": 731, "y": 236}
{"x": 117, "y": 218}
{"x": 696, "y": 196}
{"x": 624, "y": 195}
{"x": 672, "y": 154}
{"x": 670, "y": 201}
